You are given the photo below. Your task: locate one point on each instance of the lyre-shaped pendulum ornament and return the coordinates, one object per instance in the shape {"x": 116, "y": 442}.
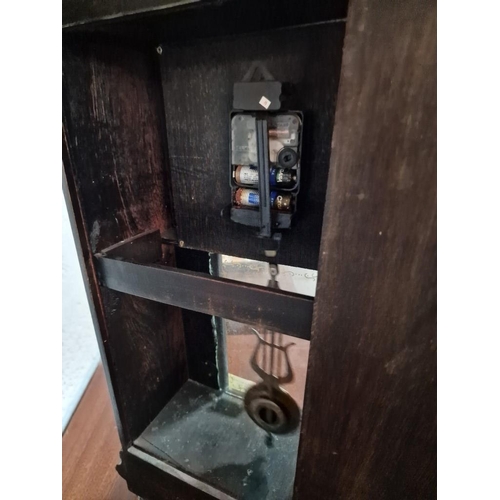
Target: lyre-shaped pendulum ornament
{"x": 266, "y": 403}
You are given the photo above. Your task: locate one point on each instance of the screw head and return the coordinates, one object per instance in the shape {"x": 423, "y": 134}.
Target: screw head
{"x": 181, "y": 243}
{"x": 159, "y": 50}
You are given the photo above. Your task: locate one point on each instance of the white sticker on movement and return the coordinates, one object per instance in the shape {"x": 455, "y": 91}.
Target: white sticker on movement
{"x": 264, "y": 102}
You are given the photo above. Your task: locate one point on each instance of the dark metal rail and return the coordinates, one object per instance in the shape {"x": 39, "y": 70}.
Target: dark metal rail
{"x": 255, "y": 305}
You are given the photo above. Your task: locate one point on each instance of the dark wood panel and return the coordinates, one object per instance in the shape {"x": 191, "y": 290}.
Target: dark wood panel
{"x": 191, "y": 20}
{"x": 369, "y": 423}
{"x": 148, "y": 352}
{"x": 115, "y": 165}
{"x": 85, "y": 257}
{"x": 144, "y": 248}
{"x": 76, "y": 12}
{"x": 256, "y": 305}
{"x": 112, "y": 112}
{"x": 198, "y": 82}
{"x": 150, "y": 482}
{"x": 199, "y": 333}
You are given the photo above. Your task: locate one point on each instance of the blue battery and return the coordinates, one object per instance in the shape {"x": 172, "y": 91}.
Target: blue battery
{"x": 278, "y": 177}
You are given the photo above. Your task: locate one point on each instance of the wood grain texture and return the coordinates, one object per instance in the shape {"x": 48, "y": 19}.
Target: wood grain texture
{"x": 260, "y": 306}
{"x": 198, "y": 82}
{"x": 146, "y": 353}
{"x": 148, "y": 481}
{"x": 112, "y": 113}
{"x": 199, "y": 334}
{"x": 193, "y": 20}
{"x": 77, "y": 12}
{"x": 146, "y": 248}
{"x": 90, "y": 449}
{"x": 115, "y": 166}
{"x": 369, "y": 423}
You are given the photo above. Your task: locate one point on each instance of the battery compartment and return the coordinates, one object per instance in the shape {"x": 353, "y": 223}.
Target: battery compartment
{"x": 198, "y": 81}
{"x": 284, "y": 147}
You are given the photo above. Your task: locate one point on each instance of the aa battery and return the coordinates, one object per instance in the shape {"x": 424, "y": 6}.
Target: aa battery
{"x": 279, "y": 177}
{"x": 280, "y": 133}
{"x": 250, "y": 198}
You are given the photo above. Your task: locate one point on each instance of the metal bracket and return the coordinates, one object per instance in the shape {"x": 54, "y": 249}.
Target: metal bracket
{"x": 134, "y": 266}
{"x": 264, "y": 189}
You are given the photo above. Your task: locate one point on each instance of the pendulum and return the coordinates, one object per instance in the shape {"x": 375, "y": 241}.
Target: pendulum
{"x": 267, "y": 403}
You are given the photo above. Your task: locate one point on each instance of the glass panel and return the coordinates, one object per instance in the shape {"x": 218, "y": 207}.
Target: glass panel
{"x": 241, "y": 340}
{"x": 290, "y": 279}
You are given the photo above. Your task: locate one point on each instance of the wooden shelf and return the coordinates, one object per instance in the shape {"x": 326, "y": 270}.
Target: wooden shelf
{"x": 123, "y": 268}
{"x": 205, "y": 438}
